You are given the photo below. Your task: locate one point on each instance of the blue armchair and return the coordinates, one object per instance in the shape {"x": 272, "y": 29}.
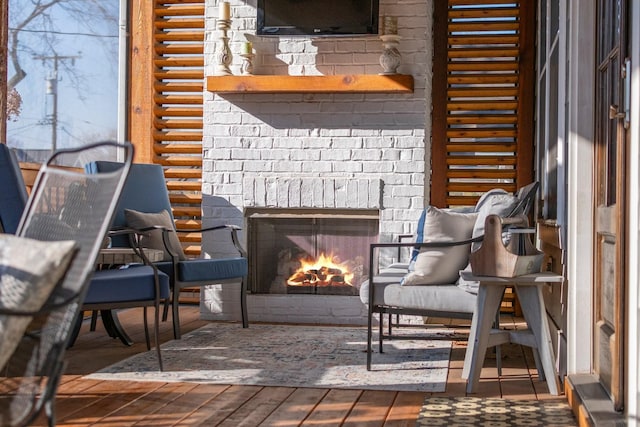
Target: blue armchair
{"x": 108, "y": 289}
{"x": 144, "y": 205}
{"x": 13, "y": 197}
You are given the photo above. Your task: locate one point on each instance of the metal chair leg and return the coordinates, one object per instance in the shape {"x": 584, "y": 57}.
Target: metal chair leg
{"x": 369, "y": 337}
{"x": 175, "y": 308}
{"x": 496, "y": 325}
{"x": 380, "y": 329}
{"x": 243, "y": 304}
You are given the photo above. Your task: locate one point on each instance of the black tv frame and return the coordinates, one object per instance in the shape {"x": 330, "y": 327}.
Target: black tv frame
{"x": 262, "y": 30}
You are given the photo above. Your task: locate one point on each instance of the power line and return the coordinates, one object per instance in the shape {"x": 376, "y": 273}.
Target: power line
{"x": 62, "y": 33}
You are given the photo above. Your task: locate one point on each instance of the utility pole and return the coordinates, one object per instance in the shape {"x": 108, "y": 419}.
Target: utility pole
{"x": 52, "y": 89}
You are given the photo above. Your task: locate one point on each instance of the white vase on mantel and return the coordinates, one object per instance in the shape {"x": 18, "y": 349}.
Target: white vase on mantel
{"x": 391, "y": 57}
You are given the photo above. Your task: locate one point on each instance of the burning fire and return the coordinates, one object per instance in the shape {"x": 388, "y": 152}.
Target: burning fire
{"x": 326, "y": 270}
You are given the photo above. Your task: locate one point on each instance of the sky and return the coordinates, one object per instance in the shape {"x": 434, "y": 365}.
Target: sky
{"x": 87, "y": 86}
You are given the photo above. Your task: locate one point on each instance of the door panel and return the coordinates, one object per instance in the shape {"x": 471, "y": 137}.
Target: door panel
{"x": 609, "y": 304}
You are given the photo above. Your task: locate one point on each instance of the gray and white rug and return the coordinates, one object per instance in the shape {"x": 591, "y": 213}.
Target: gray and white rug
{"x": 293, "y": 356}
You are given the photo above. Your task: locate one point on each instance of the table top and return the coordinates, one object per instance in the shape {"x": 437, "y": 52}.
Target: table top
{"x": 121, "y": 256}
{"x": 533, "y": 278}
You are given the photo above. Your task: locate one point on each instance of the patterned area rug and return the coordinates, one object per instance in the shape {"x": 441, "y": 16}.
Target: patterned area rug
{"x": 475, "y": 411}
{"x": 293, "y": 356}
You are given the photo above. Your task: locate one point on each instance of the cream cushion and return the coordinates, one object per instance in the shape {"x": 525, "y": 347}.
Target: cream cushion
{"x": 442, "y": 265}
{"x": 29, "y": 271}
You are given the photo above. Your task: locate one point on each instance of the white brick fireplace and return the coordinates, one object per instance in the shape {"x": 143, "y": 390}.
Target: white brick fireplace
{"x": 315, "y": 151}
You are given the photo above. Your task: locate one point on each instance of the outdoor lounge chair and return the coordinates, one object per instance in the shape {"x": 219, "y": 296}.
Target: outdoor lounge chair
{"x": 108, "y": 289}
{"x": 44, "y": 272}
{"x": 144, "y": 205}
{"x": 432, "y": 286}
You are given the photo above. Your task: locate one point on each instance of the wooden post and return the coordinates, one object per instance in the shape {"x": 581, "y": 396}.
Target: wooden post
{"x": 141, "y": 102}
{"x": 4, "y": 35}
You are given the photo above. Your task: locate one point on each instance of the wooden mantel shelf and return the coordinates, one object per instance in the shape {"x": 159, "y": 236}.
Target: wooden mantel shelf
{"x": 348, "y": 83}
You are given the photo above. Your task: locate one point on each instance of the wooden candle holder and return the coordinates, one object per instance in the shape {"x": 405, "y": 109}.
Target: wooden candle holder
{"x": 493, "y": 258}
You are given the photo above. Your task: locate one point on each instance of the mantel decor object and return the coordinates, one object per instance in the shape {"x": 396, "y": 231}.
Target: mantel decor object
{"x": 390, "y": 58}
{"x": 223, "y": 54}
{"x": 246, "y": 68}
{"x": 247, "y": 64}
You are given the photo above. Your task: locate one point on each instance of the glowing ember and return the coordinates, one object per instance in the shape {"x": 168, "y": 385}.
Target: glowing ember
{"x": 326, "y": 270}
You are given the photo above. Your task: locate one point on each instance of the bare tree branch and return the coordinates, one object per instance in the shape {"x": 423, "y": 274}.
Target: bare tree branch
{"x": 84, "y": 12}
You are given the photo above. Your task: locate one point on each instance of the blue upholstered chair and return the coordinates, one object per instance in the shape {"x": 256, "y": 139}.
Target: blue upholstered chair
{"x": 13, "y": 192}
{"x": 63, "y": 205}
{"x": 108, "y": 289}
{"x": 144, "y": 205}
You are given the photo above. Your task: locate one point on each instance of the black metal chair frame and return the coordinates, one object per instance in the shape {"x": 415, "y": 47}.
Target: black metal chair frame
{"x": 30, "y": 379}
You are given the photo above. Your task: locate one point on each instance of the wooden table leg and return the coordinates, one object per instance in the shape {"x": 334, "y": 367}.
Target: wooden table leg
{"x": 489, "y": 299}
{"x": 534, "y": 312}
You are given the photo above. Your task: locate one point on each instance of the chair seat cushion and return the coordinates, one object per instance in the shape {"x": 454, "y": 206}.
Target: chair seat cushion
{"x": 208, "y": 270}
{"x": 448, "y": 299}
{"x": 125, "y": 285}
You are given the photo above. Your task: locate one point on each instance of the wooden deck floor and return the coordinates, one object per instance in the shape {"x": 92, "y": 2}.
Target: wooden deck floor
{"x": 83, "y": 402}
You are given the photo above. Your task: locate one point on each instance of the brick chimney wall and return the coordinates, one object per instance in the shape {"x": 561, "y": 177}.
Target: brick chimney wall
{"x": 318, "y": 150}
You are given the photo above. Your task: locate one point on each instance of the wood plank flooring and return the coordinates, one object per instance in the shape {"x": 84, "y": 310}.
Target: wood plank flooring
{"x": 84, "y": 402}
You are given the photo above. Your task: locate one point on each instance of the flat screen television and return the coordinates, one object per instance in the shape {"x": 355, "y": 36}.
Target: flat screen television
{"x": 317, "y": 17}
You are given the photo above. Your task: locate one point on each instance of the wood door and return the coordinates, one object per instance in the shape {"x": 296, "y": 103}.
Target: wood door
{"x": 609, "y": 274}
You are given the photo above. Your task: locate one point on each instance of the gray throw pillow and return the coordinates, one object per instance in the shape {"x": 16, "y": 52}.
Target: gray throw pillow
{"x": 29, "y": 271}
{"x": 153, "y": 240}
{"x": 442, "y": 265}
{"x": 493, "y": 202}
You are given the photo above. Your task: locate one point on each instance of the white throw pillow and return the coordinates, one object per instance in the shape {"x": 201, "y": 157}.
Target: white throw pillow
{"x": 442, "y": 265}
{"x": 29, "y": 271}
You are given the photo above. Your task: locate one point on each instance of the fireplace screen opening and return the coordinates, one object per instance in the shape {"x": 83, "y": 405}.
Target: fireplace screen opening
{"x": 300, "y": 252}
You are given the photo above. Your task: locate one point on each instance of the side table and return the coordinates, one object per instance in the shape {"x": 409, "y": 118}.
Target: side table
{"x": 122, "y": 256}
{"x": 529, "y": 290}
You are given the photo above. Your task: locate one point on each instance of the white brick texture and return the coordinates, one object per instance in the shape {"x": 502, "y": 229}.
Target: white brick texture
{"x": 320, "y": 150}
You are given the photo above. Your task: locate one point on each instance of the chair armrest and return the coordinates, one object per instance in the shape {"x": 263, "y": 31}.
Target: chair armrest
{"x": 403, "y": 238}
{"x": 135, "y": 241}
{"x": 234, "y": 235}
{"x": 374, "y": 247}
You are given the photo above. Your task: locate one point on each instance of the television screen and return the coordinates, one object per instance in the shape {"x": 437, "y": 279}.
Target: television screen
{"x": 317, "y": 17}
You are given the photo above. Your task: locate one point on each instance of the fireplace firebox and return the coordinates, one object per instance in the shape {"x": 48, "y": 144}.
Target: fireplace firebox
{"x": 309, "y": 251}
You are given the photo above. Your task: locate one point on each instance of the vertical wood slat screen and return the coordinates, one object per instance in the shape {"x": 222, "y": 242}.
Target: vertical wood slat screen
{"x": 483, "y": 93}
{"x": 178, "y": 46}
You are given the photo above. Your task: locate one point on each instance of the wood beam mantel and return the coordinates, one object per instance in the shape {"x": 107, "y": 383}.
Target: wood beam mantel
{"x": 349, "y": 83}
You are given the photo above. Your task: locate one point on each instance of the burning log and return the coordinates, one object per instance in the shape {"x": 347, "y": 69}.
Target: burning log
{"x": 323, "y": 272}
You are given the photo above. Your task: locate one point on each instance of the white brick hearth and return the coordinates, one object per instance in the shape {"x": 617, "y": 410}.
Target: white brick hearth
{"x": 354, "y": 151}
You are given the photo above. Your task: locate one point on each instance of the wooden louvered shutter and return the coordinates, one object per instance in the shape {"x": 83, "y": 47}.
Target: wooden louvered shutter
{"x": 167, "y": 75}
{"x": 483, "y": 90}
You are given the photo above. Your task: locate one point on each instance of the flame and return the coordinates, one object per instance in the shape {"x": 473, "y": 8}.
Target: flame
{"x": 325, "y": 270}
